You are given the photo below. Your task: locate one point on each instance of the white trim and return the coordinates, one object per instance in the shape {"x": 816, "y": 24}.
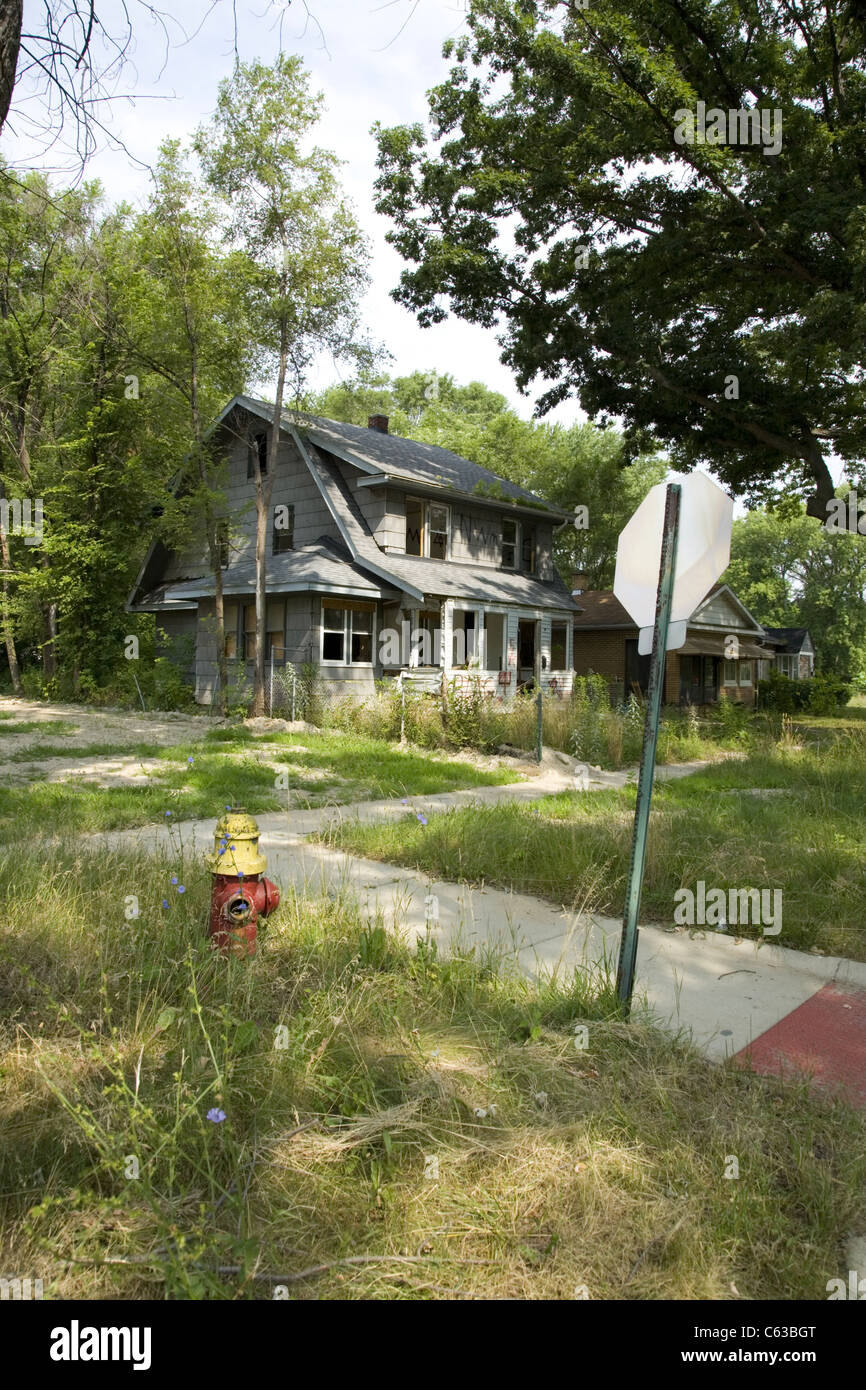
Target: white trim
{"x": 347, "y": 639}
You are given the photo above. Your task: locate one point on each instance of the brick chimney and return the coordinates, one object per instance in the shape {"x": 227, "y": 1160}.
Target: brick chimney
{"x": 578, "y": 582}
{"x": 378, "y": 422}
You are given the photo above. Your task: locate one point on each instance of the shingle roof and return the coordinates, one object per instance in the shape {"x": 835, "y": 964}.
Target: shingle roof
{"x": 325, "y": 565}
{"x": 425, "y": 464}
{"x": 793, "y": 637}
{"x": 441, "y": 578}
{"x": 601, "y": 608}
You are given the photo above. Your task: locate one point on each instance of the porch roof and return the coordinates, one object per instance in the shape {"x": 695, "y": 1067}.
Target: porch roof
{"x": 715, "y": 646}
{"x": 324, "y": 566}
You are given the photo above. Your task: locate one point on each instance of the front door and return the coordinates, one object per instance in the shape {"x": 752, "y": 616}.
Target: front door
{"x": 526, "y": 649}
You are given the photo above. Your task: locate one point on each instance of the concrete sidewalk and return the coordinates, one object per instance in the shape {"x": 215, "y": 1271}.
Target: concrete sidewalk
{"x": 727, "y": 994}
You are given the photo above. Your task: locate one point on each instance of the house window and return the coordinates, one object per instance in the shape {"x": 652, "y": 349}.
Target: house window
{"x": 249, "y": 633}
{"x": 436, "y": 537}
{"x": 230, "y": 624}
{"x": 284, "y": 528}
{"x": 275, "y": 628}
{"x": 509, "y": 545}
{"x": 730, "y": 673}
{"x": 464, "y": 646}
{"x": 427, "y": 528}
{"x": 558, "y": 646}
{"x": 258, "y": 449}
{"x": 333, "y": 634}
{"x": 527, "y": 552}
{"x": 787, "y": 665}
{"x": 414, "y": 526}
{"x": 347, "y": 635}
{"x": 745, "y": 673}
{"x": 426, "y": 649}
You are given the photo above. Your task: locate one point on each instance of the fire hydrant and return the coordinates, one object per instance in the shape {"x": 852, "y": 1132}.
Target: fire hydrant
{"x": 240, "y": 896}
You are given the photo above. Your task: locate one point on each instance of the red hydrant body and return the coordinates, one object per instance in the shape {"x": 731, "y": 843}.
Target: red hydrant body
{"x": 240, "y": 895}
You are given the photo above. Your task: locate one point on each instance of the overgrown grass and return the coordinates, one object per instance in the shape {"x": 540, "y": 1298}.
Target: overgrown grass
{"x": 35, "y": 752}
{"x": 37, "y": 726}
{"x": 432, "y": 1116}
{"x": 806, "y": 841}
{"x": 585, "y": 724}
{"x": 321, "y": 769}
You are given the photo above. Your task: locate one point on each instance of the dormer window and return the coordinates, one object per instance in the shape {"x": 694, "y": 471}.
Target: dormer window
{"x": 258, "y": 449}
{"x": 527, "y": 552}
{"x": 428, "y": 525}
{"x": 509, "y": 544}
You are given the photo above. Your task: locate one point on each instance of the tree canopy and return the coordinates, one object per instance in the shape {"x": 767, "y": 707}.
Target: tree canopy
{"x": 635, "y": 252}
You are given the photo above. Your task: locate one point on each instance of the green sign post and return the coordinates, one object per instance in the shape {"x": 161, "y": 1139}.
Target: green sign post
{"x": 634, "y": 883}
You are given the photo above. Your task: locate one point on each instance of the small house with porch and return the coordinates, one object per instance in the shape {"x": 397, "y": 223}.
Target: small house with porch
{"x": 719, "y": 660}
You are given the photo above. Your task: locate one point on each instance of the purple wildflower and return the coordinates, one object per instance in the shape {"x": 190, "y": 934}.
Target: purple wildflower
{"x": 215, "y": 1116}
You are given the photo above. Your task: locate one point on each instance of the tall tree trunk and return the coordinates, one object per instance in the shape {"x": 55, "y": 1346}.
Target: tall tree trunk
{"x": 213, "y": 533}
{"x": 10, "y": 43}
{"x": 264, "y": 492}
{"x": 5, "y": 615}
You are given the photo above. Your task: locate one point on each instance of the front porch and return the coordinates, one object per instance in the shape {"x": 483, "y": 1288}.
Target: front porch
{"x": 505, "y": 648}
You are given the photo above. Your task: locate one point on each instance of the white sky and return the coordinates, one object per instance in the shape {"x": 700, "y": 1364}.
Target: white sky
{"x": 367, "y": 69}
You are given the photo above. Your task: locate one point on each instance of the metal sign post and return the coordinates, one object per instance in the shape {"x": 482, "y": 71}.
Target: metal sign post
{"x": 634, "y": 883}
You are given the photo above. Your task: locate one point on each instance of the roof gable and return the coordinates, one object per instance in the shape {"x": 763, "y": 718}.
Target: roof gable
{"x": 386, "y": 456}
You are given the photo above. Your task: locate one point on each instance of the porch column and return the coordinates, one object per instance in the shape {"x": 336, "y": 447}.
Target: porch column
{"x": 480, "y": 640}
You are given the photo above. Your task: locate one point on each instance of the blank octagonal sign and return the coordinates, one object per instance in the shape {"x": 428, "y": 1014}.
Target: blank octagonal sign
{"x": 703, "y": 552}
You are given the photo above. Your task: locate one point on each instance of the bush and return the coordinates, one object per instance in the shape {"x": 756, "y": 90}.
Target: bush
{"x": 823, "y": 694}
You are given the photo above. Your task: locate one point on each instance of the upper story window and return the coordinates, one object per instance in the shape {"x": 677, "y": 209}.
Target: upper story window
{"x": 527, "y": 552}
{"x": 510, "y": 540}
{"x": 284, "y": 528}
{"x": 258, "y": 449}
{"x": 436, "y": 537}
{"x": 428, "y": 526}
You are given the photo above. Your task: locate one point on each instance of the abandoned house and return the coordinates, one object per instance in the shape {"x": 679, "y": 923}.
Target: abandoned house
{"x": 384, "y": 557}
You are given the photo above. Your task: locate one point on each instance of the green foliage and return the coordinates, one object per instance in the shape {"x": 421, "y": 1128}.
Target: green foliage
{"x": 822, "y": 694}
{"x": 559, "y": 130}
{"x": 790, "y": 571}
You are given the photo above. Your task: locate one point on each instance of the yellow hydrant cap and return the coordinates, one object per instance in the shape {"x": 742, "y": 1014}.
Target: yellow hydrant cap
{"x": 236, "y": 845}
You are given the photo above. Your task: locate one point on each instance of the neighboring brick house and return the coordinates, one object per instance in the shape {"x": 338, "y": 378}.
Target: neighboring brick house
{"x": 719, "y": 660}
{"x": 384, "y": 556}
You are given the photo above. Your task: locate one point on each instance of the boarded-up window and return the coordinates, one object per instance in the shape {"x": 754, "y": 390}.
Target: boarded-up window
{"x": 414, "y": 525}
{"x": 230, "y": 623}
{"x": 528, "y": 552}
{"x": 249, "y": 632}
{"x": 275, "y": 624}
{"x": 558, "y": 646}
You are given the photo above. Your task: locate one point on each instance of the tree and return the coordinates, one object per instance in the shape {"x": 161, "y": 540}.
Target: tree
{"x": 634, "y": 251}
{"x": 790, "y": 571}
{"x": 69, "y": 59}
{"x": 42, "y": 249}
{"x": 182, "y": 318}
{"x": 305, "y": 252}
